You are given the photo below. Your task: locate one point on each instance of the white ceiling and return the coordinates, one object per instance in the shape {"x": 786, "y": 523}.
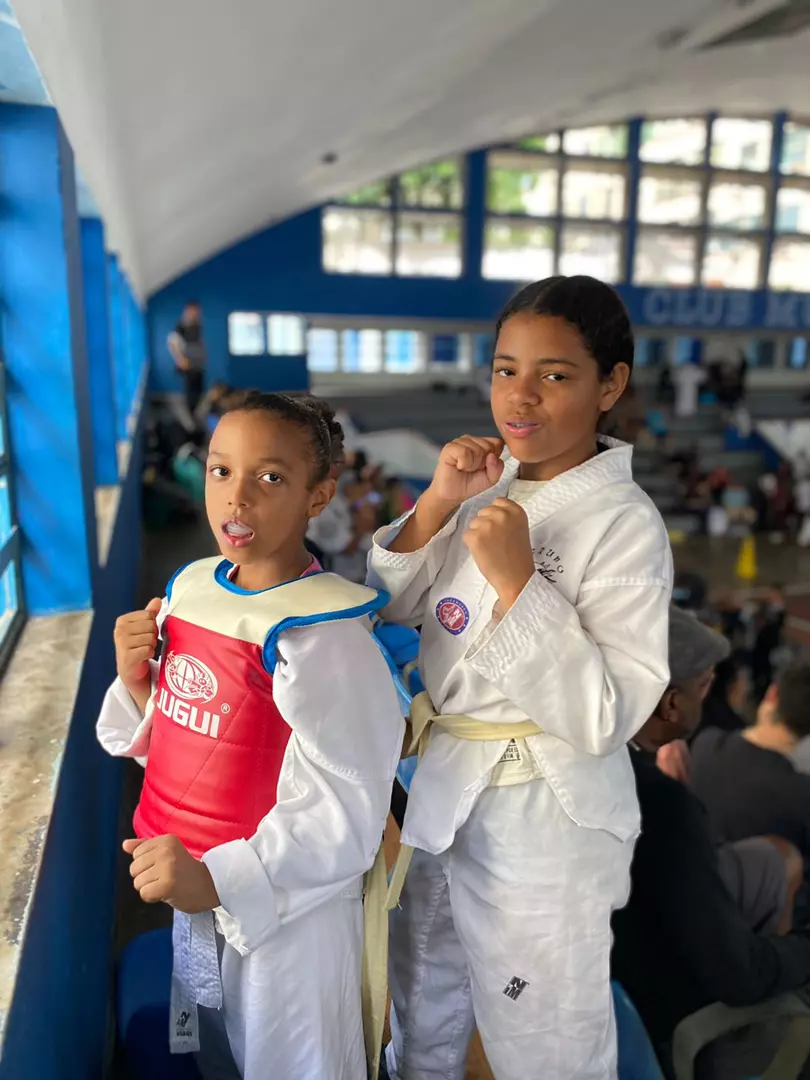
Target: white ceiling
{"x": 198, "y": 122}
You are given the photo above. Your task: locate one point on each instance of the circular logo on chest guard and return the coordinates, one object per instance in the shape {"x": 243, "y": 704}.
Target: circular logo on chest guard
{"x": 453, "y": 615}
{"x": 189, "y": 678}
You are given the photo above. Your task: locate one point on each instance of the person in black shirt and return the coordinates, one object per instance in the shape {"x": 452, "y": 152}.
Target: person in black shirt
{"x": 682, "y": 942}
{"x": 187, "y": 348}
{"x": 747, "y": 780}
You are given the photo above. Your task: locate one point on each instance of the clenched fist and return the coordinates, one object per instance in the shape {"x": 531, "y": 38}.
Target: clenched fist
{"x": 136, "y": 637}
{"x": 499, "y": 541}
{"x": 467, "y": 466}
{"x": 164, "y": 870}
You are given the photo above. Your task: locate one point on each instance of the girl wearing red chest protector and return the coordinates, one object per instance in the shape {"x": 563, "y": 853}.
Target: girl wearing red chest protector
{"x": 271, "y": 730}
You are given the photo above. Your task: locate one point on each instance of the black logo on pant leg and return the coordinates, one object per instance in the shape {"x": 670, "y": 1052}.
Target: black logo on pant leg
{"x": 515, "y": 987}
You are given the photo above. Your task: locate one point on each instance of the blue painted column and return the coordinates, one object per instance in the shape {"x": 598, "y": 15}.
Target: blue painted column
{"x": 633, "y": 181}
{"x": 46, "y": 361}
{"x": 117, "y": 323}
{"x": 99, "y": 351}
{"x": 475, "y": 216}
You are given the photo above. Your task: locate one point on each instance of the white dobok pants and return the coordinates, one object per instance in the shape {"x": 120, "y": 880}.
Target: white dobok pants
{"x": 509, "y": 929}
{"x": 292, "y": 1008}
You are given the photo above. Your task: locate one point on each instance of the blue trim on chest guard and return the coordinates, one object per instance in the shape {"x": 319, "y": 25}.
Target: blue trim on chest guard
{"x": 296, "y": 622}
{"x": 174, "y": 578}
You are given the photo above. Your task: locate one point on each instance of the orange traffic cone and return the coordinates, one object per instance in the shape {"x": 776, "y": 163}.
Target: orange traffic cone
{"x": 746, "y": 568}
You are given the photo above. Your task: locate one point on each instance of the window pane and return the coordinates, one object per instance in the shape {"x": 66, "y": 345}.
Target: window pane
{"x": 548, "y": 144}
{"x": 597, "y": 141}
{"x": 762, "y": 352}
{"x": 9, "y": 601}
{"x": 665, "y": 258}
{"x": 682, "y": 141}
{"x": 669, "y": 197}
{"x": 5, "y": 511}
{"x": 246, "y": 334}
{"x": 429, "y": 245}
{"x": 797, "y": 354}
{"x": 518, "y": 251}
{"x": 322, "y": 350}
{"x": 737, "y": 206}
{"x": 519, "y": 184}
{"x": 796, "y": 148}
{"x": 362, "y": 350}
{"x": 445, "y": 349}
{"x": 285, "y": 334}
{"x": 377, "y": 193}
{"x": 591, "y": 250}
{"x": 790, "y": 265}
{"x": 731, "y": 262}
{"x": 650, "y": 352}
{"x": 741, "y": 144}
{"x": 793, "y": 209}
{"x": 403, "y": 351}
{"x": 357, "y": 241}
{"x": 438, "y": 185}
{"x": 590, "y": 192}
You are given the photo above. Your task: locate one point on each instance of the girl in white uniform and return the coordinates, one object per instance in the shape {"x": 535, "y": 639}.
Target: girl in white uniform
{"x": 272, "y": 705}
{"x": 541, "y": 579}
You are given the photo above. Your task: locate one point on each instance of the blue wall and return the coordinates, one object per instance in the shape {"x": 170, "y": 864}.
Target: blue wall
{"x": 58, "y": 1024}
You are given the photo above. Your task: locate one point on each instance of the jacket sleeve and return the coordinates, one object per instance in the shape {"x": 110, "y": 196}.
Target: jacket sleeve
{"x": 590, "y": 673}
{"x": 408, "y": 578}
{"x": 728, "y": 960}
{"x": 121, "y": 728}
{"x": 334, "y": 689}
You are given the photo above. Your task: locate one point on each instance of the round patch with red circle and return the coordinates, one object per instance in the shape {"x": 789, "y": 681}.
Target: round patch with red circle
{"x": 453, "y": 615}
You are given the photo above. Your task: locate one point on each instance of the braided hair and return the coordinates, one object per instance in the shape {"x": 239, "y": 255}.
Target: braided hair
{"x": 313, "y": 414}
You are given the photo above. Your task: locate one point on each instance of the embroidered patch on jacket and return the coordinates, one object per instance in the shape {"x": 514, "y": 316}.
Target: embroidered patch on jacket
{"x": 453, "y": 615}
{"x": 515, "y": 987}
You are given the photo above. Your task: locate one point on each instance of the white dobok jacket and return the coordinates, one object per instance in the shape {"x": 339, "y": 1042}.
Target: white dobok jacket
{"x": 582, "y": 653}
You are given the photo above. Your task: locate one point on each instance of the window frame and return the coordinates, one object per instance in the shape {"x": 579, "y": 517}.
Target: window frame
{"x": 10, "y": 550}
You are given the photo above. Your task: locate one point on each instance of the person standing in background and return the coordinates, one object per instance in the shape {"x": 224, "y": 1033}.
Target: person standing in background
{"x": 187, "y": 349}
{"x": 688, "y": 380}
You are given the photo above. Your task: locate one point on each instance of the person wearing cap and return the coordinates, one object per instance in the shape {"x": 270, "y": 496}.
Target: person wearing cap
{"x": 685, "y": 940}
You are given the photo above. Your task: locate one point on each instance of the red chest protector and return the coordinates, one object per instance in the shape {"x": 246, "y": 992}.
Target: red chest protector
{"x": 218, "y": 740}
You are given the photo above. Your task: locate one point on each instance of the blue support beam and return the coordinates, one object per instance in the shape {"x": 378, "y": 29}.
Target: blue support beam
{"x": 43, "y": 338}
{"x": 99, "y": 351}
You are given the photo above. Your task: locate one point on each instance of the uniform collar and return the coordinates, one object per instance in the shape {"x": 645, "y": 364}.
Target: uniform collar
{"x": 612, "y": 465}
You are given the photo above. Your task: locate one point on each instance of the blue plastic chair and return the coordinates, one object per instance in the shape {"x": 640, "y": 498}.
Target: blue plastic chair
{"x": 143, "y": 996}
{"x": 637, "y": 1059}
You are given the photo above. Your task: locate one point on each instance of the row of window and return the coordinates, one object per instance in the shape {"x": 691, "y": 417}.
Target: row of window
{"x": 557, "y": 203}
{"x": 519, "y": 250}
{"x": 372, "y": 350}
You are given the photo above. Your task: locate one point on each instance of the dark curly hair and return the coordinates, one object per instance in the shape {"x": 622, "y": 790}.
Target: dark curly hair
{"x": 313, "y": 414}
{"x": 590, "y": 306}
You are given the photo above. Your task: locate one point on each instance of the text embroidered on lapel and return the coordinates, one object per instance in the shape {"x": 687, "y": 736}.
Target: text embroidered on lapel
{"x": 453, "y": 615}
{"x": 515, "y": 987}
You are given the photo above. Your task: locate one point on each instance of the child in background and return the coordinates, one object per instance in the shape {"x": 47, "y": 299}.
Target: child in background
{"x": 272, "y": 731}
{"x": 542, "y": 584}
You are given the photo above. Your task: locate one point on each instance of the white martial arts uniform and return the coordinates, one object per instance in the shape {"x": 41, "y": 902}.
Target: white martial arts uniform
{"x": 507, "y": 905}
{"x": 291, "y": 895}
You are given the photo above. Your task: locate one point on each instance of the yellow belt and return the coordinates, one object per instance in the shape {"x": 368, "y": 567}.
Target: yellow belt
{"x": 382, "y": 895}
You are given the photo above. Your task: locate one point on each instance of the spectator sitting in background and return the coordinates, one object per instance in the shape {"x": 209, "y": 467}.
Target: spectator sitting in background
{"x": 747, "y": 779}
{"x": 683, "y": 941}
{"x": 802, "y": 495}
{"x": 688, "y": 380}
{"x": 727, "y": 697}
{"x": 767, "y": 627}
{"x": 397, "y": 500}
